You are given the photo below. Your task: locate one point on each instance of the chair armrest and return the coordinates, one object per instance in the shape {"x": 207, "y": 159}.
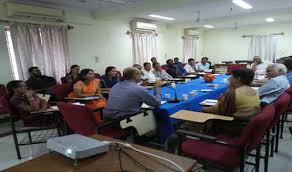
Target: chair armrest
{"x": 98, "y": 109}
{"x": 115, "y": 121}
{"x": 106, "y": 124}
{"x": 196, "y": 135}
{"x": 207, "y": 138}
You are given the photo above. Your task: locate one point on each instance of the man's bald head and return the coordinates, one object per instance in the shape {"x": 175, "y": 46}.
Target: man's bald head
{"x": 132, "y": 73}
{"x": 257, "y": 59}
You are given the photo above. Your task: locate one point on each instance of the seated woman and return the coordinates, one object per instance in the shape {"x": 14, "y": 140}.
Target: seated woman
{"x": 240, "y": 101}
{"x": 110, "y": 78}
{"x": 73, "y": 74}
{"x": 24, "y": 101}
{"x": 87, "y": 86}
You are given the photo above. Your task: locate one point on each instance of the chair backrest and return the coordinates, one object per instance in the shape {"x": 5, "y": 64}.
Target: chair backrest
{"x": 281, "y": 105}
{"x": 3, "y": 91}
{"x": 97, "y": 76}
{"x": 79, "y": 118}
{"x": 61, "y": 91}
{"x": 164, "y": 67}
{"x": 232, "y": 67}
{"x": 4, "y": 105}
{"x": 289, "y": 91}
{"x": 254, "y": 131}
{"x": 64, "y": 80}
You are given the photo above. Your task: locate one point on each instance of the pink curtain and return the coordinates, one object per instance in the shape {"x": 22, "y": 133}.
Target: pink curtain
{"x": 40, "y": 45}
{"x": 190, "y": 45}
{"x": 144, "y": 47}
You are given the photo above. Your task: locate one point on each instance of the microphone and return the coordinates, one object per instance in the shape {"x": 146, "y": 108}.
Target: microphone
{"x": 175, "y": 100}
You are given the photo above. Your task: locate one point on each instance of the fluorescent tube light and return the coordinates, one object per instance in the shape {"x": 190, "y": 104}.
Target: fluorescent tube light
{"x": 269, "y": 20}
{"x": 209, "y": 26}
{"x": 242, "y": 4}
{"x": 160, "y": 17}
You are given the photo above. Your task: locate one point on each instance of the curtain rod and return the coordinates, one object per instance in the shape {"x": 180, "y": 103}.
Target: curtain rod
{"x": 280, "y": 33}
{"x": 183, "y": 37}
{"x": 141, "y": 31}
{"x": 32, "y": 22}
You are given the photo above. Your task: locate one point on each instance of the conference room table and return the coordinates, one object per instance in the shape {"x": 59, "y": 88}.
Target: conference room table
{"x": 163, "y": 113}
{"x": 106, "y": 162}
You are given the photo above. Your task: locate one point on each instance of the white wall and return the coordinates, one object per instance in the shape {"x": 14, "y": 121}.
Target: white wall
{"x": 108, "y": 41}
{"x": 228, "y": 44}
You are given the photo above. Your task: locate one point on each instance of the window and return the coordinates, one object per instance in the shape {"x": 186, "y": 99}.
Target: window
{"x": 12, "y": 57}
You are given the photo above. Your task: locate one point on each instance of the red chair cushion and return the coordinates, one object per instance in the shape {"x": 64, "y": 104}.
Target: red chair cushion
{"x": 214, "y": 153}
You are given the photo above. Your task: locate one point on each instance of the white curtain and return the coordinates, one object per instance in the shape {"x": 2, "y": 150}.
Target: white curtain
{"x": 264, "y": 46}
{"x": 144, "y": 47}
{"x": 190, "y": 45}
{"x": 40, "y": 45}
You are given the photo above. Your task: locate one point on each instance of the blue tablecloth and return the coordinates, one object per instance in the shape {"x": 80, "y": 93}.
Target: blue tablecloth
{"x": 165, "y": 123}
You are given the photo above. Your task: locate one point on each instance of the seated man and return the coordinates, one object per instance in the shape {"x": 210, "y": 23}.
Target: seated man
{"x": 258, "y": 66}
{"x": 138, "y": 66}
{"x": 203, "y": 65}
{"x": 288, "y": 64}
{"x": 160, "y": 73}
{"x": 147, "y": 74}
{"x": 153, "y": 60}
{"x": 275, "y": 86}
{"x": 172, "y": 69}
{"x": 126, "y": 97}
{"x": 179, "y": 66}
{"x": 24, "y": 101}
{"x": 190, "y": 67}
{"x": 38, "y": 82}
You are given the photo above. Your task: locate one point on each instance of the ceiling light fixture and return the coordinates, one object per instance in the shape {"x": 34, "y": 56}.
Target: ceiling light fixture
{"x": 270, "y": 20}
{"x": 160, "y": 17}
{"x": 242, "y": 4}
{"x": 209, "y": 26}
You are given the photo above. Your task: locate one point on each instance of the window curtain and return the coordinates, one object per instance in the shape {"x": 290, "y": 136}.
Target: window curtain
{"x": 144, "y": 46}
{"x": 264, "y": 46}
{"x": 190, "y": 45}
{"x": 40, "y": 45}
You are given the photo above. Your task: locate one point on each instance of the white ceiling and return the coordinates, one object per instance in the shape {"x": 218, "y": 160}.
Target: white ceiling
{"x": 220, "y": 13}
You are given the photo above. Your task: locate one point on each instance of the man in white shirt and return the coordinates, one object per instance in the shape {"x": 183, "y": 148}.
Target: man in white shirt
{"x": 147, "y": 74}
{"x": 160, "y": 73}
{"x": 203, "y": 65}
{"x": 190, "y": 66}
{"x": 258, "y": 66}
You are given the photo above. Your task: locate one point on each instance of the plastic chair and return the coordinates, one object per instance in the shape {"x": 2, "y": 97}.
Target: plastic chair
{"x": 61, "y": 91}
{"x": 227, "y": 152}
{"x": 80, "y": 120}
{"x": 64, "y": 80}
{"x": 3, "y": 91}
{"x": 281, "y": 106}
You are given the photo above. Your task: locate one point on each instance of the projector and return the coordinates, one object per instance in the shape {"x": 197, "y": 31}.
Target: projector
{"x": 76, "y": 146}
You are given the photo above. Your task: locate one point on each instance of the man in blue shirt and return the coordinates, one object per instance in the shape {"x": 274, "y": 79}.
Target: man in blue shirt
{"x": 288, "y": 64}
{"x": 126, "y": 97}
{"x": 276, "y": 85}
{"x": 179, "y": 66}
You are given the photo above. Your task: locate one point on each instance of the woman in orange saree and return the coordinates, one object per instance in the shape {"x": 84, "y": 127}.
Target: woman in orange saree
{"x": 88, "y": 86}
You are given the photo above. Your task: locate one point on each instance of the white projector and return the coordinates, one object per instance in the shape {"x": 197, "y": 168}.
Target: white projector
{"x": 76, "y": 146}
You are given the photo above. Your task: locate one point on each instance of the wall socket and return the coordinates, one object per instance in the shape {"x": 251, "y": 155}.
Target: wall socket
{"x": 96, "y": 59}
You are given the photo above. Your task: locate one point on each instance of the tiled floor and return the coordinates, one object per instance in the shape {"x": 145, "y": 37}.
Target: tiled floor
{"x": 281, "y": 162}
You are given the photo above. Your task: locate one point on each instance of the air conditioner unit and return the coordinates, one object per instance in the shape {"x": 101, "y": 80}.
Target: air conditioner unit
{"x": 139, "y": 25}
{"x": 29, "y": 12}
